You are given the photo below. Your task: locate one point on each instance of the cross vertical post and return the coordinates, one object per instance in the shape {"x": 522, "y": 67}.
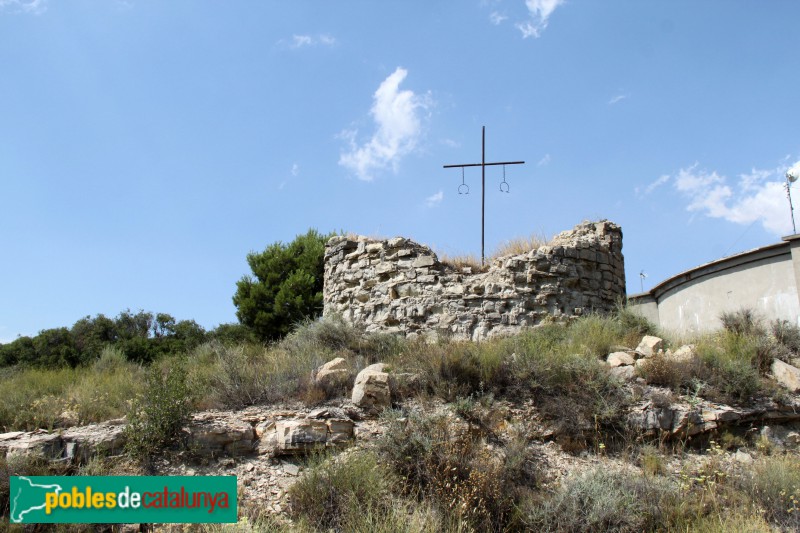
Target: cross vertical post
{"x": 483, "y": 164}
{"x": 483, "y": 185}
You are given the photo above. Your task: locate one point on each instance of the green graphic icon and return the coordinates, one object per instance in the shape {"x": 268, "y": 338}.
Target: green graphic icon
{"x": 29, "y": 498}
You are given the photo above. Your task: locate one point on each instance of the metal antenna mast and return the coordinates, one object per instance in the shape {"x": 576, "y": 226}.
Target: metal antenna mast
{"x": 483, "y": 164}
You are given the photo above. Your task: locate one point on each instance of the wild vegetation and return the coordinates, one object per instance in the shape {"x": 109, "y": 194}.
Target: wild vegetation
{"x": 516, "y": 246}
{"x": 431, "y": 471}
{"x": 447, "y": 460}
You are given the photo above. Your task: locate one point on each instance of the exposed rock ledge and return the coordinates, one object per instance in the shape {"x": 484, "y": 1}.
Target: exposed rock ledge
{"x": 265, "y": 431}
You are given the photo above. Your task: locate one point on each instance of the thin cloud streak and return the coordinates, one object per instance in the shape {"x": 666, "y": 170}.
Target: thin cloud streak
{"x": 435, "y": 199}
{"x": 33, "y": 7}
{"x": 618, "y": 98}
{"x": 497, "y": 18}
{"x": 299, "y": 41}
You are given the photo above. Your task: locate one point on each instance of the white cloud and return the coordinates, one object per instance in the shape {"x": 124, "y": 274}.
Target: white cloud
{"x": 539, "y": 11}
{"x": 652, "y": 186}
{"x": 34, "y": 7}
{"x": 758, "y": 196}
{"x": 497, "y": 18}
{"x": 450, "y": 143}
{"x": 544, "y": 161}
{"x": 398, "y": 129}
{"x": 295, "y": 169}
{"x": 299, "y": 41}
{"x": 434, "y": 199}
{"x": 618, "y": 98}
{"x": 306, "y": 41}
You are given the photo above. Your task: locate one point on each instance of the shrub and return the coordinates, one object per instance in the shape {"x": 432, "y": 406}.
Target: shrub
{"x": 729, "y": 366}
{"x": 652, "y": 461}
{"x": 232, "y": 334}
{"x": 774, "y": 482}
{"x": 634, "y": 326}
{"x": 438, "y": 460}
{"x": 787, "y": 335}
{"x": 329, "y": 334}
{"x": 575, "y": 390}
{"x": 335, "y": 492}
{"x": 742, "y": 322}
{"x": 660, "y": 370}
{"x": 239, "y": 377}
{"x": 157, "y": 415}
{"x": 604, "y": 500}
{"x": 595, "y": 335}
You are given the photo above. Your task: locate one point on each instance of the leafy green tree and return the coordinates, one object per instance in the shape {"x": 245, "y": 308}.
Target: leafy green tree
{"x": 20, "y": 349}
{"x": 285, "y": 288}
{"x": 232, "y": 334}
{"x": 54, "y": 348}
{"x": 130, "y": 326}
{"x": 92, "y": 334}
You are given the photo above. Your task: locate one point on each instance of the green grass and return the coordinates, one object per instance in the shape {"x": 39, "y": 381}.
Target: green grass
{"x": 605, "y": 500}
{"x": 774, "y": 482}
{"x": 36, "y": 398}
{"x": 337, "y": 493}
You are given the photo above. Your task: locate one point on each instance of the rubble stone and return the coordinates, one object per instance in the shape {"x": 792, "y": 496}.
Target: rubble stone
{"x": 786, "y": 375}
{"x": 650, "y": 345}
{"x": 399, "y": 286}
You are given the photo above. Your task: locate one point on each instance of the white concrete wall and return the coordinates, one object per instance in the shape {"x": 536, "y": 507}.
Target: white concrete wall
{"x": 763, "y": 280}
{"x": 768, "y": 287}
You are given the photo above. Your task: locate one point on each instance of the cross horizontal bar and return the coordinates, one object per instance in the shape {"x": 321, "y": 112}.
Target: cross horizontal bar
{"x": 486, "y": 164}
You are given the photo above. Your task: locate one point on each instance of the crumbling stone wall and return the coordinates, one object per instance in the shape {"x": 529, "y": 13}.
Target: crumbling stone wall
{"x": 400, "y": 286}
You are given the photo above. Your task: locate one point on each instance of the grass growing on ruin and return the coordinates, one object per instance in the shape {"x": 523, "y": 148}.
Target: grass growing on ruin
{"x": 520, "y": 245}
{"x": 516, "y": 246}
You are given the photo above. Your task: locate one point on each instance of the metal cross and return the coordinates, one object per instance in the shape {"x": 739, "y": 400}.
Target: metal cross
{"x": 483, "y": 164}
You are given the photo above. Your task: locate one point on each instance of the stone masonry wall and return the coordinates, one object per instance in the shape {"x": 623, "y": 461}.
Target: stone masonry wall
{"x": 399, "y": 286}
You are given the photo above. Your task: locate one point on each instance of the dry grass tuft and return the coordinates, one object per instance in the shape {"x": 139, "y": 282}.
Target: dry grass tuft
{"x": 515, "y": 246}
{"x": 462, "y": 261}
{"x": 520, "y": 245}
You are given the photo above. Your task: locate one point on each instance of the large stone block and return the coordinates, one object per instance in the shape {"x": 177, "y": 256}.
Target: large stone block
{"x": 371, "y": 390}
{"x": 786, "y": 375}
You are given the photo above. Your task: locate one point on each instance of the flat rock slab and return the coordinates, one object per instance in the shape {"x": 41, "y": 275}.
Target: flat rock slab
{"x": 83, "y": 443}
{"x": 39, "y": 442}
{"x": 212, "y": 436}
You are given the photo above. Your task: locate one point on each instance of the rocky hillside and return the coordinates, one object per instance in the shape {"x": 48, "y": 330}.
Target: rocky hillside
{"x": 512, "y": 434}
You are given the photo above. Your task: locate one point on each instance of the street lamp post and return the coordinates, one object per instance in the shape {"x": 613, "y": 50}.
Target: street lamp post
{"x": 791, "y": 176}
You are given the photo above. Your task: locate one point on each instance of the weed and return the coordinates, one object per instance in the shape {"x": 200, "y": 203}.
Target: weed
{"x": 774, "y": 482}
{"x": 438, "y": 459}
{"x": 605, "y": 500}
{"x": 787, "y": 335}
{"x": 742, "y": 322}
{"x": 335, "y": 491}
{"x": 652, "y": 461}
{"x": 157, "y": 415}
{"x": 520, "y": 245}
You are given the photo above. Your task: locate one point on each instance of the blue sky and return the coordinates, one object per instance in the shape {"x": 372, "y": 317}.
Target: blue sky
{"x": 147, "y": 146}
